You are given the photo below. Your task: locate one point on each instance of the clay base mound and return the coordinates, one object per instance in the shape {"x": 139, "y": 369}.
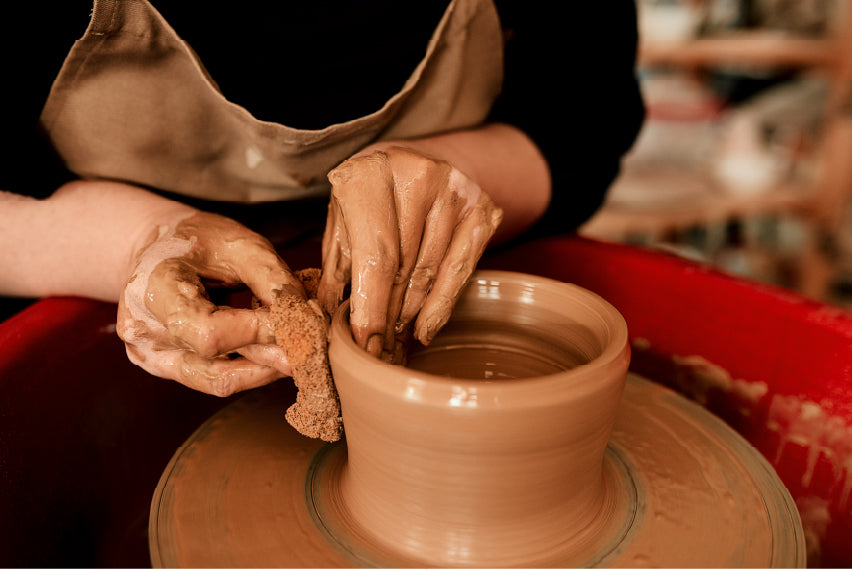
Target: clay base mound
{"x": 246, "y": 490}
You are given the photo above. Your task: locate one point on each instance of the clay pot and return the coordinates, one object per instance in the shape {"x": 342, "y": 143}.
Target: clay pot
{"x": 487, "y": 448}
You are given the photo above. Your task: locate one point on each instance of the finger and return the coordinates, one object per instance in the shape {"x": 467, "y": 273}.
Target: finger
{"x": 177, "y": 299}
{"x": 336, "y": 260}
{"x": 227, "y": 251}
{"x": 468, "y": 243}
{"x": 398, "y": 353}
{"x": 267, "y": 277}
{"x": 219, "y": 376}
{"x": 417, "y": 183}
{"x": 256, "y": 264}
{"x": 364, "y": 190}
{"x": 269, "y": 355}
{"x": 440, "y": 226}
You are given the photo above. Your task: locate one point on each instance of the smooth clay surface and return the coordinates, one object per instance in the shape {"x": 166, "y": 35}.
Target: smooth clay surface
{"x": 466, "y": 464}
{"x": 529, "y": 456}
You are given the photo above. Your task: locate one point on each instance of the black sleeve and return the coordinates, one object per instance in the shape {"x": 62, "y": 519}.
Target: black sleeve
{"x": 571, "y": 85}
{"x": 35, "y": 37}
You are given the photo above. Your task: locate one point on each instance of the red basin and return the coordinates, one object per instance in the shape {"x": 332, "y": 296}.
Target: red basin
{"x": 85, "y": 435}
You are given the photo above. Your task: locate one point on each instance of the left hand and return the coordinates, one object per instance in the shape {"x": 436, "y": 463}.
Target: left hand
{"x": 172, "y": 329}
{"x": 407, "y": 230}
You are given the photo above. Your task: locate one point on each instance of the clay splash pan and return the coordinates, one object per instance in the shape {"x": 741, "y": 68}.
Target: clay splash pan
{"x": 518, "y": 438}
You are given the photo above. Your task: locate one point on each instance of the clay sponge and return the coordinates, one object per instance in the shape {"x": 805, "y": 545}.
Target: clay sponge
{"x": 301, "y": 329}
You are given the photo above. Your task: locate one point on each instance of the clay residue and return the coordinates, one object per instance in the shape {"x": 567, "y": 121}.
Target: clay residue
{"x": 301, "y": 330}
{"x": 310, "y": 280}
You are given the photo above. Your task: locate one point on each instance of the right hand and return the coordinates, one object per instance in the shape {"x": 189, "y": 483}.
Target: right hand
{"x": 171, "y": 328}
{"x": 406, "y": 231}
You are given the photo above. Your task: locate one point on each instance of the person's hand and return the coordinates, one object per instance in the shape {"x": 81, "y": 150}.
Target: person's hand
{"x": 172, "y": 329}
{"x": 406, "y": 231}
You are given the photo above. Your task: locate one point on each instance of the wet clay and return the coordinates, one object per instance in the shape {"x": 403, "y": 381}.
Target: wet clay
{"x": 543, "y": 454}
{"x": 301, "y": 330}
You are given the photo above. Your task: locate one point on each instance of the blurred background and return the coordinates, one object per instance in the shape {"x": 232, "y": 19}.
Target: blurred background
{"x": 745, "y": 159}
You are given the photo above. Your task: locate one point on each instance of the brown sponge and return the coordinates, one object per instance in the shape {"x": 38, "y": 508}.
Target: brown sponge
{"x": 301, "y": 329}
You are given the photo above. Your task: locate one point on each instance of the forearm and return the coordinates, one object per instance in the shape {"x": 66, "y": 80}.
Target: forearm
{"x": 81, "y": 241}
{"x": 503, "y": 161}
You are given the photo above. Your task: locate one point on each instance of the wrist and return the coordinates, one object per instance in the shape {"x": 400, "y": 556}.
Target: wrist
{"x": 502, "y": 160}
{"x": 110, "y": 223}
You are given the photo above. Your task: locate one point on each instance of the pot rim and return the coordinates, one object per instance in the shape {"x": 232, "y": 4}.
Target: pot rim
{"x": 584, "y": 377}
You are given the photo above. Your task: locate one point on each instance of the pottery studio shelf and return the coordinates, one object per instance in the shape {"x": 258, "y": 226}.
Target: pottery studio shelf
{"x": 706, "y": 204}
{"x": 818, "y": 204}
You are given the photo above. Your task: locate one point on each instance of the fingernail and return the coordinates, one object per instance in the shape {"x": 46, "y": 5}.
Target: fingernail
{"x": 426, "y": 331}
{"x": 375, "y": 344}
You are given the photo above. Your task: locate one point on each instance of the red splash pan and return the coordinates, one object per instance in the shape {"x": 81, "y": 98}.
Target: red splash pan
{"x": 85, "y": 435}
{"x": 775, "y": 366}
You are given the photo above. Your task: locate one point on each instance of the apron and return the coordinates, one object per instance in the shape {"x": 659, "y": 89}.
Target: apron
{"x": 132, "y": 102}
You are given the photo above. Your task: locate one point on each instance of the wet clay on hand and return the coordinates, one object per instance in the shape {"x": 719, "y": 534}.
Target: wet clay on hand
{"x": 407, "y": 231}
{"x": 301, "y": 330}
{"x": 171, "y": 327}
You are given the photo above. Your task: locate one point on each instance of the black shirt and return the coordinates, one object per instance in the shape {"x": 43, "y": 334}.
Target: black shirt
{"x": 569, "y": 76}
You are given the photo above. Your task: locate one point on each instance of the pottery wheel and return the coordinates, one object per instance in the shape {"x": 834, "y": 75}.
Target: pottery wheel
{"x": 685, "y": 490}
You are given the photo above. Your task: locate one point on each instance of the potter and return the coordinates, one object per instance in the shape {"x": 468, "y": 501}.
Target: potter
{"x": 505, "y": 466}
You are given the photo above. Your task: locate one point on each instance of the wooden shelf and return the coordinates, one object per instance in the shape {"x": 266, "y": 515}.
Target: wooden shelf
{"x": 764, "y": 49}
{"x": 620, "y": 218}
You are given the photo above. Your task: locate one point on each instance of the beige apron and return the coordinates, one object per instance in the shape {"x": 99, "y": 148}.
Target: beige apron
{"x": 132, "y": 102}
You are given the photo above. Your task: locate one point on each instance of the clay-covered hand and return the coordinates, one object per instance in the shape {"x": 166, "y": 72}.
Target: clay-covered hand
{"x": 406, "y": 231}
{"x": 173, "y": 330}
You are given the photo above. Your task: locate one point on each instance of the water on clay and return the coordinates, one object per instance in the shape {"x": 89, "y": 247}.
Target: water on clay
{"x": 490, "y": 350}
